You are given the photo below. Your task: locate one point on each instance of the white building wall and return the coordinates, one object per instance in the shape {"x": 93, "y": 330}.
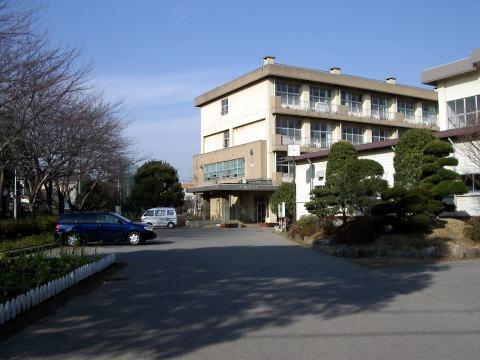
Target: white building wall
{"x": 244, "y": 106}
{"x": 213, "y": 142}
{"x": 453, "y": 89}
{"x": 250, "y": 132}
{"x": 306, "y": 175}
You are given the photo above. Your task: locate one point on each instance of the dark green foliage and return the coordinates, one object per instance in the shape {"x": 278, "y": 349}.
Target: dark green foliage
{"x": 285, "y": 193}
{"x": 10, "y": 229}
{"x": 408, "y": 160}
{"x": 360, "y": 231}
{"x": 440, "y": 181}
{"x": 103, "y": 197}
{"x": 421, "y": 181}
{"x": 156, "y": 184}
{"x": 472, "y": 229}
{"x": 351, "y": 184}
{"x": 340, "y": 152}
{"x": 307, "y": 225}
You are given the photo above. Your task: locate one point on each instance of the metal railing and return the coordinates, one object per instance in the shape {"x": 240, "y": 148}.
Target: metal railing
{"x": 308, "y": 142}
{"x": 463, "y": 120}
{"x": 375, "y": 114}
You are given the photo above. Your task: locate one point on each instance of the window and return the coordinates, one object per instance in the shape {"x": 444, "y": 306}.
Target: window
{"x": 472, "y": 182}
{"x": 463, "y": 112}
{"x": 290, "y": 130}
{"x": 289, "y": 93}
{"x": 354, "y": 134}
{"x": 320, "y": 134}
{"x": 107, "y": 219}
{"x": 407, "y": 108}
{"x": 225, "y": 106}
{"x": 379, "y": 107}
{"x": 226, "y": 138}
{"x": 379, "y": 134}
{"x": 429, "y": 114}
{"x": 320, "y": 99}
{"x": 353, "y": 102}
{"x": 224, "y": 169}
{"x": 148, "y": 213}
{"x": 159, "y": 212}
{"x": 90, "y": 218}
{"x": 170, "y": 212}
{"x": 284, "y": 167}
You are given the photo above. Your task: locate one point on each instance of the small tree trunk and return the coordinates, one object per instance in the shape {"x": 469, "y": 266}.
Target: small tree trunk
{"x": 49, "y": 196}
{"x": 344, "y": 215}
{"x": 61, "y": 201}
{"x": 2, "y": 202}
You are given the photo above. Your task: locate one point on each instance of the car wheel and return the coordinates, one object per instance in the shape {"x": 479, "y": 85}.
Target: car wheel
{"x": 134, "y": 238}
{"x": 171, "y": 225}
{"x": 73, "y": 239}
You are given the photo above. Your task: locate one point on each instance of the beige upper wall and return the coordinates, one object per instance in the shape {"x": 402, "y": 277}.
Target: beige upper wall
{"x": 455, "y": 88}
{"x": 244, "y": 107}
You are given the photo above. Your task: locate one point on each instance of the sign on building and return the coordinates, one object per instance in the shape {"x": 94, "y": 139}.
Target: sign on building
{"x": 293, "y": 150}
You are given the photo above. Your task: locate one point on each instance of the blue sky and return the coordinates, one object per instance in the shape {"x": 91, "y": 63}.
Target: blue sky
{"x": 159, "y": 55}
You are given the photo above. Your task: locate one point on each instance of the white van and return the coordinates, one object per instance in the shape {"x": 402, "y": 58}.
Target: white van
{"x": 164, "y": 217}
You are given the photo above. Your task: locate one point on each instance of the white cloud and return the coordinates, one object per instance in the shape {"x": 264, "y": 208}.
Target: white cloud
{"x": 140, "y": 90}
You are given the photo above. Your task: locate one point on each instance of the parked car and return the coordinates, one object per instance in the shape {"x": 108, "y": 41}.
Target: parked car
{"x": 161, "y": 217}
{"x": 83, "y": 227}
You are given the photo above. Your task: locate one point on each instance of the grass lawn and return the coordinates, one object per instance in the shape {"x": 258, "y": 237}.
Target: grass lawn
{"x": 26, "y": 242}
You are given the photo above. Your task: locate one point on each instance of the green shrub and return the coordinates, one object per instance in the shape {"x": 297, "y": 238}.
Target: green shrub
{"x": 10, "y": 229}
{"x": 307, "y": 225}
{"x": 472, "y": 229}
{"x": 359, "y": 231}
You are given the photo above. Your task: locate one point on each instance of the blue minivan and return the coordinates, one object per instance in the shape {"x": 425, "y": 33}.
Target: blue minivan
{"x": 83, "y": 227}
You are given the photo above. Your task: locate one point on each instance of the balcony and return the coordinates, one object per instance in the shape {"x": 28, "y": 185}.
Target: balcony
{"x": 327, "y": 110}
{"x": 308, "y": 144}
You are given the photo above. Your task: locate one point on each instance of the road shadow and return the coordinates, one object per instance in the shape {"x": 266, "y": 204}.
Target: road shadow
{"x": 170, "y": 303}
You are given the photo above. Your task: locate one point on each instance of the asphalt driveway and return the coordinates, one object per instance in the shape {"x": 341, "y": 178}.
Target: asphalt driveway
{"x": 250, "y": 294}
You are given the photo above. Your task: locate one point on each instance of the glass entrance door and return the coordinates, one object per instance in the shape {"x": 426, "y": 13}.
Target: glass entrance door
{"x": 260, "y": 209}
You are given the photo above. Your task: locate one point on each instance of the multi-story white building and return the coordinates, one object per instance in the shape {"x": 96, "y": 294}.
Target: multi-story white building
{"x": 247, "y": 124}
{"x": 458, "y": 88}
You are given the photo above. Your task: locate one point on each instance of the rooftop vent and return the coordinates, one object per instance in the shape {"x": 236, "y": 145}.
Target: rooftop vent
{"x": 391, "y": 80}
{"x": 268, "y": 60}
{"x": 336, "y": 70}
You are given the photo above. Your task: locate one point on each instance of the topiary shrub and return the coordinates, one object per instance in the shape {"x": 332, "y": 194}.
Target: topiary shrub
{"x": 360, "y": 231}
{"x": 307, "y": 225}
{"x": 472, "y": 229}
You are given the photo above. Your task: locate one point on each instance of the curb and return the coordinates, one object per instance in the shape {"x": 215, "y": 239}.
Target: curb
{"x": 11, "y": 308}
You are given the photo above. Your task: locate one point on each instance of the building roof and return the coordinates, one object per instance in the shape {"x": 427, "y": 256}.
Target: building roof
{"x": 470, "y": 64}
{"x": 452, "y": 133}
{"x": 305, "y": 74}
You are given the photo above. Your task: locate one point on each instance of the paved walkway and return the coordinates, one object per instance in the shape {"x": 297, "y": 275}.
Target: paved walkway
{"x": 250, "y": 294}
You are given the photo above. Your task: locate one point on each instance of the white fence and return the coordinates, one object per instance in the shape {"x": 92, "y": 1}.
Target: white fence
{"x": 11, "y": 308}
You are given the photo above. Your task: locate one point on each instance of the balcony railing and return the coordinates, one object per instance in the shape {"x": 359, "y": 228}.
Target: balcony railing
{"x": 329, "y": 108}
{"x": 462, "y": 120}
{"x": 308, "y": 142}
{"x": 374, "y": 114}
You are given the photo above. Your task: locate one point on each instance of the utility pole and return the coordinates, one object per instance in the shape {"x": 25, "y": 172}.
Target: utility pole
{"x": 15, "y": 196}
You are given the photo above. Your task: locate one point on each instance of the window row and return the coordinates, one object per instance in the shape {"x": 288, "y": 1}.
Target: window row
{"x": 224, "y": 169}
{"x": 463, "y": 112}
{"x": 321, "y": 132}
{"x": 380, "y": 106}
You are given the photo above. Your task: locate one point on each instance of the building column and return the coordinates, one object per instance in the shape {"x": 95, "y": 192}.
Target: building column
{"x": 393, "y": 105}
{"x": 335, "y": 98}
{"x": 305, "y": 132}
{"x": 305, "y": 96}
{"x": 367, "y": 104}
{"x": 418, "y": 112}
{"x": 367, "y": 135}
